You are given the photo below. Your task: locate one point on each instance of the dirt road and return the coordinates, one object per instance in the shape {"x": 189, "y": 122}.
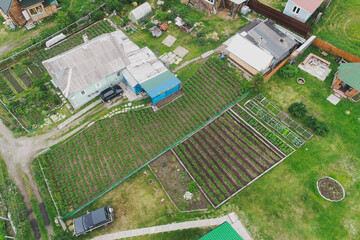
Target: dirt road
{"x": 18, "y": 154}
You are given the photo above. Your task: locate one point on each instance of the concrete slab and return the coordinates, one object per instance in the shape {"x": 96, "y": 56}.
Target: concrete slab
{"x": 233, "y": 217}
{"x": 180, "y": 51}
{"x": 205, "y": 55}
{"x": 333, "y": 99}
{"x": 169, "y": 41}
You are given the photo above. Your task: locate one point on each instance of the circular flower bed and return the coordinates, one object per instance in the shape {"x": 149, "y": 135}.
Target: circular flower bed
{"x": 300, "y": 81}
{"x": 330, "y": 189}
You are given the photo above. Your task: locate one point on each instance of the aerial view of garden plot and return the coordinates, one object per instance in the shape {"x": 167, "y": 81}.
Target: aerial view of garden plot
{"x": 227, "y": 155}
{"x": 130, "y": 140}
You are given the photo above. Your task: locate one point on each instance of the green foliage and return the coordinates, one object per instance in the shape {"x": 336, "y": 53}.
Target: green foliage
{"x": 2, "y": 228}
{"x": 149, "y": 25}
{"x": 257, "y": 82}
{"x": 201, "y": 40}
{"x": 321, "y": 128}
{"x": 64, "y": 236}
{"x": 97, "y": 15}
{"x": 288, "y": 71}
{"x": 62, "y": 19}
{"x": 26, "y": 61}
{"x": 182, "y": 10}
{"x": 310, "y": 121}
{"x": 12, "y": 199}
{"x": 297, "y": 109}
{"x": 164, "y": 16}
{"x": 113, "y": 5}
{"x": 192, "y": 186}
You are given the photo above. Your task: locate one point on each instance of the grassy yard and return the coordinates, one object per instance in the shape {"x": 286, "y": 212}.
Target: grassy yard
{"x": 285, "y": 204}
{"x": 138, "y": 204}
{"x": 276, "y": 4}
{"x": 213, "y": 31}
{"x": 340, "y": 25}
{"x": 188, "y": 234}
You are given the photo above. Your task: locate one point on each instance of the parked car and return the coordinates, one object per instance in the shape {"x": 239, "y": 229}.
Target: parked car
{"x": 93, "y": 220}
{"x": 110, "y": 93}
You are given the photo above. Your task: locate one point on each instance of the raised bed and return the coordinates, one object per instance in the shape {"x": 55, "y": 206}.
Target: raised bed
{"x": 5, "y": 89}
{"x": 330, "y": 189}
{"x": 11, "y": 79}
{"x": 22, "y": 75}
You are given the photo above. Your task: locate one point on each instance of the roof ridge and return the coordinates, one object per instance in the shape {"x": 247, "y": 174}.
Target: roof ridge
{"x": 350, "y": 70}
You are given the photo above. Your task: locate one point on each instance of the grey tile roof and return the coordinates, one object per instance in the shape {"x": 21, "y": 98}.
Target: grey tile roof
{"x": 5, "y": 5}
{"x": 90, "y": 62}
{"x": 265, "y": 35}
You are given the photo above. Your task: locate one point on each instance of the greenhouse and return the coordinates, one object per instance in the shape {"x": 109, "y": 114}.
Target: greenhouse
{"x": 140, "y": 13}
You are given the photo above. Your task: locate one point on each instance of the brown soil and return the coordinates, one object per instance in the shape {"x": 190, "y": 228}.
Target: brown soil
{"x": 176, "y": 181}
{"x": 330, "y": 189}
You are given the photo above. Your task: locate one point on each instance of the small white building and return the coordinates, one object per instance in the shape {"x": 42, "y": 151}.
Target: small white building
{"x": 301, "y": 9}
{"x": 140, "y": 13}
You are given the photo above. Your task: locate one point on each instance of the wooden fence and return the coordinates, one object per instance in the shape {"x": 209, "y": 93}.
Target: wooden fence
{"x": 279, "y": 17}
{"x": 268, "y": 76}
{"x": 327, "y": 47}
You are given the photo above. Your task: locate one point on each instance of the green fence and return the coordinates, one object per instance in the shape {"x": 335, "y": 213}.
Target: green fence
{"x": 168, "y": 148}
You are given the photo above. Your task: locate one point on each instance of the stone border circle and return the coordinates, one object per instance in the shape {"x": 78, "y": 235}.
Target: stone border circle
{"x": 317, "y": 186}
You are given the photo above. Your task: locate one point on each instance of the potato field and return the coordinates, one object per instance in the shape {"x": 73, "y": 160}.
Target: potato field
{"x": 226, "y": 155}
{"x": 111, "y": 149}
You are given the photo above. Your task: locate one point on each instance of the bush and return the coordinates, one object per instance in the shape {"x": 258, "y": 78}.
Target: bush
{"x": 97, "y": 15}
{"x": 257, "y": 82}
{"x": 297, "y": 109}
{"x": 113, "y": 5}
{"x": 288, "y": 71}
{"x": 192, "y": 186}
{"x": 149, "y": 25}
{"x": 310, "y": 121}
{"x": 321, "y": 129}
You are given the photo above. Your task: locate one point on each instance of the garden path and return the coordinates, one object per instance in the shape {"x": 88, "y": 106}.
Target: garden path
{"x": 231, "y": 218}
{"x": 18, "y": 154}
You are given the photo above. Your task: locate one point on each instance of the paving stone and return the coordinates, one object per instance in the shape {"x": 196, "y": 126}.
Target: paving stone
{"x": 181, "y": 51}
{"x": 169, "y": 41}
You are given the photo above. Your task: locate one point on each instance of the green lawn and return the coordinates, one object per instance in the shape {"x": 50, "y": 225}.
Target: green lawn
{"x": 340, "y": 25}
{"x": 215, "y": 30}
{"x": 285, "y": 204}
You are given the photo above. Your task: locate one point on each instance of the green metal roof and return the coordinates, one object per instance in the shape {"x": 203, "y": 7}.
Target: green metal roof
{"x": 29, "y": 3}
{"x": 223, "y": 232}
{"x": 157, "y": 80}
{"x": 349, "y": 73}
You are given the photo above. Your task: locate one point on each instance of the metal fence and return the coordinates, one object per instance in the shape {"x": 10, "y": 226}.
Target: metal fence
{"x": 278, "y": 126}
{"x": 273, "y": 109}
{"x": 279, "y": 17}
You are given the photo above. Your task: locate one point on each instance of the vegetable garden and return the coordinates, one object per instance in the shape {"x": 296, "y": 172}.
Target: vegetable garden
{"x": 111, "y": 149}
{"x": 227, "y": 155}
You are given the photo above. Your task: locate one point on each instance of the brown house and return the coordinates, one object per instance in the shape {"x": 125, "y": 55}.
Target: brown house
{"x": 18, "y": 12}
{"x": 347, "y": 80}
{"x": 215, "y": 5}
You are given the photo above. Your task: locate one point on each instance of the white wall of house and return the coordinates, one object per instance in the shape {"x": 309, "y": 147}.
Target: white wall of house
{"x": 85, "y": 95}
{"x": 294, "y": 11}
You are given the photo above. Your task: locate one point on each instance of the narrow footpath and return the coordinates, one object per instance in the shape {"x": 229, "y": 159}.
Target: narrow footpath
{"x": 231, "y": 218}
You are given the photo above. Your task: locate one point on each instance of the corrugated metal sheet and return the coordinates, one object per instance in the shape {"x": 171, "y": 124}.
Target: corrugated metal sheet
{"x": 349, "y": 73}
{"x": 223, "y": 232}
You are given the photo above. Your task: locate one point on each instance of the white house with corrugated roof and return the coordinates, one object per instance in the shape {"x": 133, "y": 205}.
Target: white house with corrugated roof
{"x": 301, "y": 9}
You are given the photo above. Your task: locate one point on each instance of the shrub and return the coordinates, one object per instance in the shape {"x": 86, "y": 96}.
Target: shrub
{"x": 321, "y": 129}
{"x": 297, "y": 109}
{"x": 149, "y": 25}
{"x": 192, "y": 186}
{"x": 97, "y": 15}
{"x": 113, "y": 5}
{"x": 257, "y": 82}
{"x": 201, "y": 40}
{"x": 288, "y": 71}
{"x": 310, "y": 121}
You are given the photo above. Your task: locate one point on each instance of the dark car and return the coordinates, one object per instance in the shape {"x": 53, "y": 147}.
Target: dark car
{"x": 93, "y": 220}
{"x": 110, "y": 93}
